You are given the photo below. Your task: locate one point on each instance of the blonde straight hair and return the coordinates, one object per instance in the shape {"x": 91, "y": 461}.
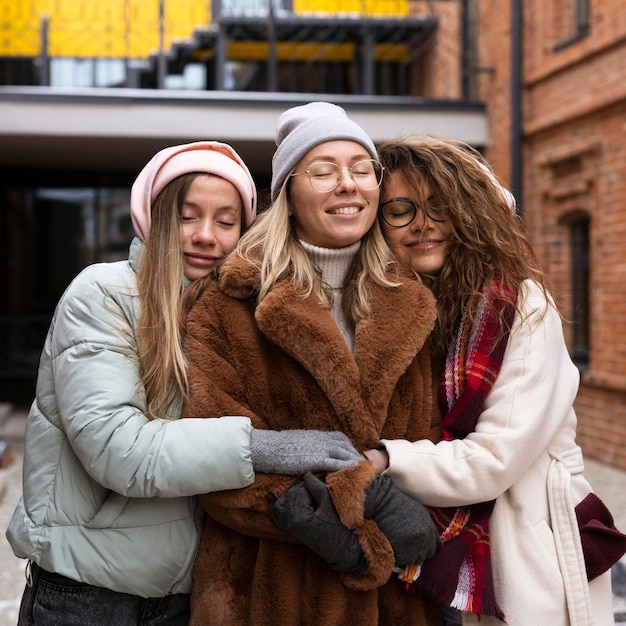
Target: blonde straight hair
{"x": 164, "y": 303}
{"x": 272, "y": 244}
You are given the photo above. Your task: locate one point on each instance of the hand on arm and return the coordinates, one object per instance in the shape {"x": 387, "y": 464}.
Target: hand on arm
{"x": 295, "y": 452}
{"x": 379, "y": 458}
{"x": 404, "y": 521}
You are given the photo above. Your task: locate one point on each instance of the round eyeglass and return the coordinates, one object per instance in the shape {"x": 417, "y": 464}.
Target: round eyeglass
{"x": 400, "y": 212}
{"x": 324, "y": 177}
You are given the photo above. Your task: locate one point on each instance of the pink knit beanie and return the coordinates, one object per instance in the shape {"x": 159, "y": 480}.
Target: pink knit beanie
{"x": 211, "y": 157}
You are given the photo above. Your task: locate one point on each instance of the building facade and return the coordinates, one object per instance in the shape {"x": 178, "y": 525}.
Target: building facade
{"x": 568, "y": 115}
{"x": 538, "y": 86}
{"x": 575, "y": 181}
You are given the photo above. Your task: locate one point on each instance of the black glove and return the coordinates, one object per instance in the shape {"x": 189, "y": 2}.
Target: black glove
{"x": 404, "y": 521}
{"x": 306, "y": 511}
{"x": 295, "y": 452}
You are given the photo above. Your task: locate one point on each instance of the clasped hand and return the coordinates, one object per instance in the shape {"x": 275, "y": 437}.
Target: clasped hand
{"x": 306, "y": 511}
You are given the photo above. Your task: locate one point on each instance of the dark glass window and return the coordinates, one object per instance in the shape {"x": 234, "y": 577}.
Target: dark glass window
{"x": 48, "y": 235}
{"x": 572, "y": 21}
{"x": 579, "y": 234}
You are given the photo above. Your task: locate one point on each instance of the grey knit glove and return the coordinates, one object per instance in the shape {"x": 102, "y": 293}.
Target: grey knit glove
{"x": 404, "y": 521}
{"x": 296, "y": 452}
{"x": 306, "y": 512}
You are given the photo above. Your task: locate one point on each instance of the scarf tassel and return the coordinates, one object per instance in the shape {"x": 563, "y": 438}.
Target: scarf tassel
{"x": 460, "y": 574}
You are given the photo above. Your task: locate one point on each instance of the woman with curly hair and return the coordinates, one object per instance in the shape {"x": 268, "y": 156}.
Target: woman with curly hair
{"x": 525, "y": 541}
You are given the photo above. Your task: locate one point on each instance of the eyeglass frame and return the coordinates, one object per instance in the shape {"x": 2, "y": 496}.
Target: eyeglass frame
{"x": 415, "y": 207}
{"x": 339, "y": 170}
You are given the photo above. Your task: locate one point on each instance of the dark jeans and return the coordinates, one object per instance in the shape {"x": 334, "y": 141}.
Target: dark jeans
{"x": 450, "y": 616}
{"x": 54, "y": 600}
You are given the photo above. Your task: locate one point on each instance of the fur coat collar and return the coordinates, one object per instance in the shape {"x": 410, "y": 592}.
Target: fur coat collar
{"x": 385, "y": 343}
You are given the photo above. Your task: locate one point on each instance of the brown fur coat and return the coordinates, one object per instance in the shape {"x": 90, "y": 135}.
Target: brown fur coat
{"x": 285, "y": 364}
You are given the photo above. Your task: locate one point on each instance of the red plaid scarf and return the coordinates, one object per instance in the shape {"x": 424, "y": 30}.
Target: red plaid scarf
{"x": 460, "y": 574}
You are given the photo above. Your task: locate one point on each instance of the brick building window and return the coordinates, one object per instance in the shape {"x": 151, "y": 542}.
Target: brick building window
{"x": 571, "y": 21}
{"x": 579, "y": 245}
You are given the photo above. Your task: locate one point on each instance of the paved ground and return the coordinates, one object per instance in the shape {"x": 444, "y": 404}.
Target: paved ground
{"x": 11, "y": 569}
{"x": 609, "y": 483}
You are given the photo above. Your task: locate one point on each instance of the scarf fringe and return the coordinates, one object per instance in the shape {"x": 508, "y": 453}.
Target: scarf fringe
{"x": 460, "y": 574}
{"x": 461, "y": 600}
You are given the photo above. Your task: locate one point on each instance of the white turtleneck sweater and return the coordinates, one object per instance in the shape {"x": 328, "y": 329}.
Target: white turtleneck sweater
{"x": 334, "y": 263}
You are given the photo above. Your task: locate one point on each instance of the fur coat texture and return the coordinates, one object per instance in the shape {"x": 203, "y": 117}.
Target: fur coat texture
{"x": 285, "y": 364}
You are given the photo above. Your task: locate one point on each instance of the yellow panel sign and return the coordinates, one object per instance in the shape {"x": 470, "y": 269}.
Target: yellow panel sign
{"x": 134, "y": 28}
{"x": 369, "y": 8}
{"x": 104, "y": 28}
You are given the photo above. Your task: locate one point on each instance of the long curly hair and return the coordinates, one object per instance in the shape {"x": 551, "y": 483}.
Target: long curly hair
{"x": 489, "y": 241}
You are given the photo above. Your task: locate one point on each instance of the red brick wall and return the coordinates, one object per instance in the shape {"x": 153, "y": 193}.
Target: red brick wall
{"x": 574, "y": 164}
{"x": 439, "y": 66}
{"x": 492, "y": 75}
{"x": 602, "y": 424}
{"x": 574, "y": 169}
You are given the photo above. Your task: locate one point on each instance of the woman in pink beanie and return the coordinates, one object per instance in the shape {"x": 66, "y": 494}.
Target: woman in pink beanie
{"x": 108, "y": 521}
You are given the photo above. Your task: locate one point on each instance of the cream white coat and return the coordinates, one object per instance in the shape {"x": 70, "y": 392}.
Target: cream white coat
{"x": 523, "y": 453}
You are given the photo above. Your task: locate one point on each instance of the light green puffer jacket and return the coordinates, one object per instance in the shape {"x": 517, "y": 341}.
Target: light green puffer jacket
{"x": 107, "y": 492}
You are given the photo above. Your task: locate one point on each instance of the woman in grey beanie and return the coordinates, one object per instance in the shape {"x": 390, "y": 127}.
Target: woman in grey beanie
{"x": 311, "y": 325}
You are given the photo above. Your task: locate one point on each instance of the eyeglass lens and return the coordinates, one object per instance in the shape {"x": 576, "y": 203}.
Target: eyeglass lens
{"x": 399, "y": 213}
{"x": 326, "y": 176}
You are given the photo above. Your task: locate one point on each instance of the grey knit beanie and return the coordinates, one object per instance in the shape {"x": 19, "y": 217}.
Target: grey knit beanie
{"x": 302, "y": 128}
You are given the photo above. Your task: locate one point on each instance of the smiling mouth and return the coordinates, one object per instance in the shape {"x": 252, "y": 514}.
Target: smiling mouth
{"x": 345, "y": 210}
{"x": 199, "y": 259}
{"x": 426, "y": 245}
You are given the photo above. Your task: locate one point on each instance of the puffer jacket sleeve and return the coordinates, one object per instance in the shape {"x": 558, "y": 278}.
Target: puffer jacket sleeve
{"x": 93, "y": 393}
{"x": 216, "y": 388}
{"x": 529, "y": 403}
